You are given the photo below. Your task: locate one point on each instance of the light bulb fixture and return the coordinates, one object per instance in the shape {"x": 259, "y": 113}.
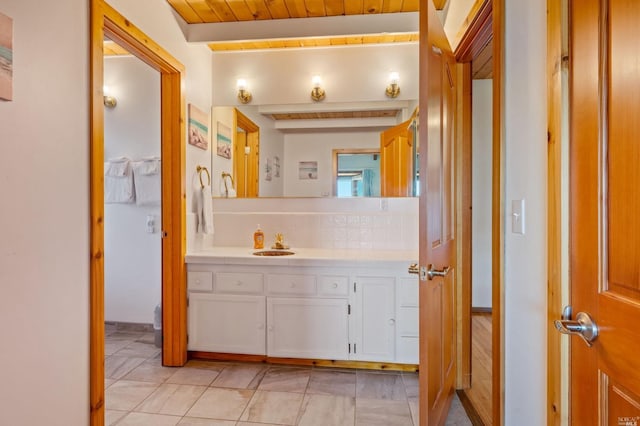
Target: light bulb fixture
{"x": 109, "y": 101}
{"x": 244, "y": 95}
{"x": 317, "y": 93}
{"x": 393, "y": 90}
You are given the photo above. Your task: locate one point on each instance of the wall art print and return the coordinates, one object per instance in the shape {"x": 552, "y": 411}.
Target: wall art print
{"x": 6, "y": 58}
{"x": 198, "y": 127}
{"x": 308, "y": 170}
{"x": 224, "y": 141}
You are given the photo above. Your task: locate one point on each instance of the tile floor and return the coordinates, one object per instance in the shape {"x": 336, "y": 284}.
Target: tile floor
{"x": 139, "y": 391}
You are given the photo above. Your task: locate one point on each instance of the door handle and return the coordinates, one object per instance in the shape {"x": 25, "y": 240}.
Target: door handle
{"x": 432, "y": 273}
{"x": 413, "y": 269}
{"x": 583, "y": 326}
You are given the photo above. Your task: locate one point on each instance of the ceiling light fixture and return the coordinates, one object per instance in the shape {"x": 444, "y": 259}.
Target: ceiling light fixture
{"x": 317, "y": 93}
{"x": 393, "y": 90}
{"x": 244, "y": 95}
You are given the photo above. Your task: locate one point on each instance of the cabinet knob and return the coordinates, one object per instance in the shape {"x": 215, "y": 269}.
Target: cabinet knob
{"x": 392, "y": 321}
{"x": 238, "y": 283}
{"x": 270, "y": 328}
{"x": 197, "y": 281}
{"x": 335, "y": 285}
{"x": 293, "y": 285}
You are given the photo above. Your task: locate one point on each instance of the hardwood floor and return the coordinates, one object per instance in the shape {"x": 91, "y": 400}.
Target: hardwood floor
{"x": 480, "y": 392}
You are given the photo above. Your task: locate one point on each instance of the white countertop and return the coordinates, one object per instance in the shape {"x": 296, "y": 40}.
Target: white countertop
{"x": 302, "y": 257}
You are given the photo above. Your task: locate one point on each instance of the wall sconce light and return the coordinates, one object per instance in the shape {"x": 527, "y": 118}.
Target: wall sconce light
{"x": 244, "y": 95}
{"x": 317, "y": 93}
{"x": 109, "y": 101}
{"x": 393, "y": 90}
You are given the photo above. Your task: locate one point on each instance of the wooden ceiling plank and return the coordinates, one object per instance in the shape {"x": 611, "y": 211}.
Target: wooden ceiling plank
{"x": 372, "y": 6}
{"x": 203, "y": 10}
{"x": 410, "y": 6}
{"x": 338, "y": 41}
{"x": 354, "y": 40}
{"x": 222, "y": 9}
{"x": 334, "y": 7}
{"x": 278, "y": 9}
{"x": 353, "y": 7}
{"x": 276, "y": 44}
{"x": 297, "y": 8}
{"x": 184, "y": 9}
{"x": 315, "y": 8}
{"x": 259, "y": 9}
{"x": 323, "y": 41}
{"x": 392, "y": 6}
{"x": 240, "y": 10}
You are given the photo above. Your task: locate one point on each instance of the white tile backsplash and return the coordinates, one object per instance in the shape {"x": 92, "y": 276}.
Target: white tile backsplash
{"x": 316, "y": 223}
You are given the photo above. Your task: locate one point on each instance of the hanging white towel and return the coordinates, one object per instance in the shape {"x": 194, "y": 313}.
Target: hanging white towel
{"x": 118, "y": 181}
{"x": 148, "y": 183}
{"x": 204, "y": 210}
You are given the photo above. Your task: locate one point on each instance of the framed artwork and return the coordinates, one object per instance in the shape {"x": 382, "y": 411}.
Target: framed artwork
{"x": 6, "y": 58}
{"x": 276, "y": 165}
{"x": 307, "y": 170}
{"x": 268, "y": 170}
{"x": 224, "y": 141}
{"x": 198, "y": 127}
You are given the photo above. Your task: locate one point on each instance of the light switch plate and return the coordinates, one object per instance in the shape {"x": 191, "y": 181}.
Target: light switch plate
{"x": 517, "y": 217}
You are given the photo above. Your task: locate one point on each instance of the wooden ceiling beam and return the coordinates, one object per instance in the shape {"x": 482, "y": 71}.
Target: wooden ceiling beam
{"x": 332, "y": 26}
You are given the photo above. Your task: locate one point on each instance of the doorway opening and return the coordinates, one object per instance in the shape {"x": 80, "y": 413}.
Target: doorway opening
{"x": 107, "y": 22}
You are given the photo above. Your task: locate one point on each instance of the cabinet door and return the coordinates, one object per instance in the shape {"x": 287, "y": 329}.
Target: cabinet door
{"x": 373, "y": 321}
{"x": 307, "y": 328}
{"x": 226, "y": 323}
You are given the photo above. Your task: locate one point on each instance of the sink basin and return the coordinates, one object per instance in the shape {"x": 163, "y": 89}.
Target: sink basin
{"x": 273, "y": 253}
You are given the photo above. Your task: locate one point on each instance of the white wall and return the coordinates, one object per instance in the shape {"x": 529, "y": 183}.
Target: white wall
{"x": 271, "y": 145}
{"x": 525, "y": 287}
{"x": 283, "y": 76}
{"x": 44, "y": 219}
{"x": 481, "y": 152}
{"x": 133, "y": 258}
{"x": 318, "y": 146}
{"x": 155, "y": 18}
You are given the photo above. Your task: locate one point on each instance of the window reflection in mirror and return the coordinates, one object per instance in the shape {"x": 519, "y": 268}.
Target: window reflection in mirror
{"x": 356, "y": 173}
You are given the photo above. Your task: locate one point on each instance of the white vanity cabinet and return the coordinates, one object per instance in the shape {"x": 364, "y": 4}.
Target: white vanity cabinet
{"x": 226, "y": 323}
{"x": 373, "y": 319}
{"x": 316, "y": 328}
{"x": 359, "y": 312}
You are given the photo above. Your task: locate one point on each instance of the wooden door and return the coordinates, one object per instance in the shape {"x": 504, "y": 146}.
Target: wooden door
{"x": 396, "y": 161}
{"x": 246, "y": 155}
{"x": 604, "y": 204}
{"x": 240, "y": 162}
{"x": 437, "y": 355}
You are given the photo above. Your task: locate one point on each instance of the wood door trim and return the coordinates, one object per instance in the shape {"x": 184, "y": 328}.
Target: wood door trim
{"x": 463, "y": 212}
{"x": 476, "y": 31}
{"x": 554, "y": 223}
{"x": 497, "y": 214}
{"x": 106, "y": 20}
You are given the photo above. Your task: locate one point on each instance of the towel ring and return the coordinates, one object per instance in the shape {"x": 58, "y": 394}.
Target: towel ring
{"x": 200, "y": 169}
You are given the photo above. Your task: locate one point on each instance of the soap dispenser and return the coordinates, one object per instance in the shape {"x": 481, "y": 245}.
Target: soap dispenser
{"x": 258, "y": 238}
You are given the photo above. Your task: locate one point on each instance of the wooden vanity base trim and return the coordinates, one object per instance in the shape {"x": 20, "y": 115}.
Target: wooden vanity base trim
{"x": 364, "y": 365}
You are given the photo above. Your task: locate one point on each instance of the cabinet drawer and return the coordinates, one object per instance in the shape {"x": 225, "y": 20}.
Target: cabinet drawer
{"x": 200, "y": 281}
{"x": 239, "y": 282}
{"x": 291, "y": 284}
{"x": 333, "y": 285}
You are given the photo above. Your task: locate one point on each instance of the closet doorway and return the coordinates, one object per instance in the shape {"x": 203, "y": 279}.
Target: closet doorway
{"x": 107, "y": 22}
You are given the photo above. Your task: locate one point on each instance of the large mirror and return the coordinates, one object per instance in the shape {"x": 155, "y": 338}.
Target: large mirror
{"x": 284, "y": 143}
